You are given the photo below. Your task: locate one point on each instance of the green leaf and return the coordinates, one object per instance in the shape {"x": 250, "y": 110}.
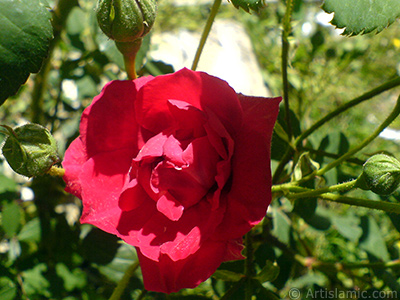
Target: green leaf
{"x": 255, "y": 5}
{"x": 30, "y": 231}
{"x": 372, "y": 240}
{"x": 7, "y": 184}
{"x": 11, "y": 217}
{"x": 35, "y": 282}
{"x": 226, "y": 275}
{"x": 262, "y": 293}
{"x": 25, "y": 34}
{"x": 8, "y": 290}
{"x": 362, "y": 16}
{"x": 268, "y": 273}
{"x": 72, "y": 280}
{"x": 282, "y": 225}
{"x": 348, "y": 226}
{"x": 123, "y": 259}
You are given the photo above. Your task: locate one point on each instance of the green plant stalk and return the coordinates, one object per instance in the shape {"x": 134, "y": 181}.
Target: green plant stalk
{"x": 385, "y": 123}
{"x": 123, "y": 283}
{"x": 60, "y": 15}
{"x": 282, "y": 163}
{"x": 379, "y": 205}
{"x": 367, "y": 96}
{"x": 287, "y": 28}
{"x": 130, "y": 67}
{"x": 342, "y": 187}
{"x": 206, "y": 32}
{"x": 129, "y": 51}
{"x": 296, "y": 192}
{"x": 352, "y": 160}
{"x": 311, "y": 262}
{"x": 249, "y": 266}
{"x": 233, "y": 289}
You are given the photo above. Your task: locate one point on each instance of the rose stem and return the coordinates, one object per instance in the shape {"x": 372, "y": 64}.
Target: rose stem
{"x": 249, "y": 266}
{"x": 206, "y": 31}
{"x": 60, "y": 14}
{"x": 287, "y": 28}
{"x": 385, "y": 123}
{"x": 130, "y": 67}
{"x": 123, "y": 283}
{"x": 301, "y": 192}
{"x": 366, "y": 96}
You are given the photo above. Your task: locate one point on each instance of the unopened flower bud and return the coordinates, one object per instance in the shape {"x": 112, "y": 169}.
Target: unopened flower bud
{"x": 381, "y": 174}
{"x": 126, "y": 20}
{"x": 30, "y": 150}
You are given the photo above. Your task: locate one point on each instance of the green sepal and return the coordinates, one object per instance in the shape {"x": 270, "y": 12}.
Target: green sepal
{"x": 30, "y": 149}
{"x": 126, "y": 20}
{"x": 381, "y": 175}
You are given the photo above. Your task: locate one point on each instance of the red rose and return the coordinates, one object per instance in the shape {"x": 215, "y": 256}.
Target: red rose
{"x": 177, "y": 166}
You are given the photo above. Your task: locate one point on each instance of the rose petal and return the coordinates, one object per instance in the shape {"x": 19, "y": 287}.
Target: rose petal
{"x": 109, "y": 124}
{"x": 169, "y": 207}
{"x": 173, "y": 151}
{"x": 132, "y": 196}
{"x": 191, "y": 182}
{"x": 168, "y": 276}
{"x": 250, "y": 193}
{"x": 159, "y": 230}
{"x": 152, "y": 148}
{"x": 74, "y": 158}
{"x": 195, "y": 88}
{"x": 102, "y": 178}
{"x": 189, "y": 120}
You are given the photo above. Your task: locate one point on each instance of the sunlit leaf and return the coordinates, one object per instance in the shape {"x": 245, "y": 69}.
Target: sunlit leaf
{"x": 362, "y": 16}
{"x": 255, "y": 5}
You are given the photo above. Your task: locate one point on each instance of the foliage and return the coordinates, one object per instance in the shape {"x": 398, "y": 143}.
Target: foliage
{"x": 362, "y": 16}
{"x": 23, "y": 45}
{"x": 314, "y": 243}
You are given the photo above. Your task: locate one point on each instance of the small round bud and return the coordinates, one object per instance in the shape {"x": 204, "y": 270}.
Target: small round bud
{"x": 126, "y": 20}
{"x": 30, "y": 150}
{"x": 381, "y": 174}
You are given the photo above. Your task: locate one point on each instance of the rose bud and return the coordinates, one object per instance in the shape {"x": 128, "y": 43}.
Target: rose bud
{"x": 381, "y": 174}
{"x": 179, "y": 167}
{"x": 126, "y": 20}
{"x": 30, "y": 150}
